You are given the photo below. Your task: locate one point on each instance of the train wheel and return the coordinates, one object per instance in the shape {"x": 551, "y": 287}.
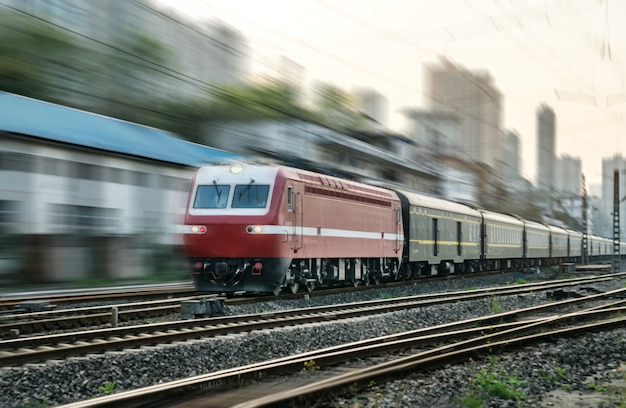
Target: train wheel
{"x": 294, "y": 286}
{"x": 276, "y": 290}
{"x": 310, "y": 286}
{"x": 355, "y": 283}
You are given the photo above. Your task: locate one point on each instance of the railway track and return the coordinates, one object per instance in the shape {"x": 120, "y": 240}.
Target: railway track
{"x": 14, "y": 325}
{"x": 14, "y": 304}
{"x": 354, "y": 366}
{"x": 14, "y": 352}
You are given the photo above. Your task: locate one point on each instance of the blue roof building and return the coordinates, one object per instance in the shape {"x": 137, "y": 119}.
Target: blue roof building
{"x": 34, "y": 118}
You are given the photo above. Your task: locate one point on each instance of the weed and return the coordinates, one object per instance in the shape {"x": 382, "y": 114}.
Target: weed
{"x": 505, "y": 388}
{"x": 471, "y": 288}
{"x": 471, "y": 400}
{"x": 597, "y": 387}
{"x": 310, "y": 365}
{"x": 108, "y": 387}
{"x": 495, "y": 306}
{"x": 353, "y": 388}
{"x": 559, "y": 375}
{"x": 385, "y": 295}
{"x": 520, "y": 281}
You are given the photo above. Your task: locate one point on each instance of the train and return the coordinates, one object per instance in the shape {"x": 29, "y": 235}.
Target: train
{"x": 262, "y": 228}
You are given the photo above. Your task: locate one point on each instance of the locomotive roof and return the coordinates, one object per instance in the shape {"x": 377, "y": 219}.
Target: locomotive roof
{"x": 335, "y": 182}
{"x": 44, "y": 120}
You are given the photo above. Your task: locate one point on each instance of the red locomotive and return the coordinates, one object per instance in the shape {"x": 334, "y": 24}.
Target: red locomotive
{"x": 260, "y": 228}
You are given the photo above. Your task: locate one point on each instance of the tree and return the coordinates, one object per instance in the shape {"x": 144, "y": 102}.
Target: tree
{"x": 336, "y": 109}
{"x": 269, "y": 99}
{"x": 34, "y": 55}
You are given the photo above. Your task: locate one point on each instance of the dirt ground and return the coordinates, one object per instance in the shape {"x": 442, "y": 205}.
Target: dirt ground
{"x": 608, "y": 394}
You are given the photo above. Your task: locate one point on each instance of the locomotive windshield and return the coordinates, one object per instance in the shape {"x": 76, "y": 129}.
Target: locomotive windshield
{"x": 211, "y": 196}
{"x": 250, "y": 196}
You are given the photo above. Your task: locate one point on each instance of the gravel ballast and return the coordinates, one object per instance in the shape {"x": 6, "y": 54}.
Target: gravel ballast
{"x": 559, "y": 364}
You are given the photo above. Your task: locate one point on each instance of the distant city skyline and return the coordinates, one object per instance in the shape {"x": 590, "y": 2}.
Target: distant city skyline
{"x": 566, "y": 55}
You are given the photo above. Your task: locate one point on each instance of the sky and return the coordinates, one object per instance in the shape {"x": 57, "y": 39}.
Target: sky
{"x": 568, "y": 54}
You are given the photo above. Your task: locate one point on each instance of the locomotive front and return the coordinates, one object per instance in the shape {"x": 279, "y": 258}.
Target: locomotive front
{"x": 227, "y": 207}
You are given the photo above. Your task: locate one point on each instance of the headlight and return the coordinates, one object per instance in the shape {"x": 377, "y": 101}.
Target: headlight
{"x": 236, "y": 168}
{"x": 198, "y": 229}
{"x": 254, "y": 229}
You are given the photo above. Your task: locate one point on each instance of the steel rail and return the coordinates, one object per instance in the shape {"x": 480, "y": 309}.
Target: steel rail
{"x": 8, "y": 301}
{"x": 39, "y": 348}
{"x": 35, "y": 322}
{"x": 102, "y": 314}
{"x": 472, "y": 341}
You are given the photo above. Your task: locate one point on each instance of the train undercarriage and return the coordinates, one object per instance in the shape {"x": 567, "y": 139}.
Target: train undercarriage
{"x": 272, "y": 275}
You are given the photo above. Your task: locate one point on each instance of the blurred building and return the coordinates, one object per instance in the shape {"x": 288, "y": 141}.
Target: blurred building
{"x": 568, "y": 172}
{"x": 478, "y": 105}
{"x": 292, "y": 74}
{"x": 438, "y": 135}
{"x": 138, "y": 48}
{"x": 511, "y": 157}
{"x": 604, "y": 224}
{"x": 546, "y": 145}
{"x": 566, "y": 193}
{"x": 372, "y": 104}
{"x": 84, "y": 196}
{"x": 435, "y": 132}
{"x": 371, "y": 157}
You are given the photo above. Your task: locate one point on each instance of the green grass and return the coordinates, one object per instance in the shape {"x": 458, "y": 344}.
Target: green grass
{"x": 594, "y": 386}
{"x": 492, "y": 381}
{"x": 501, "y": 386}
{"x": 495, "y": 306}
{"x": 108, "y": 387}
{"x": 471, "y": 400}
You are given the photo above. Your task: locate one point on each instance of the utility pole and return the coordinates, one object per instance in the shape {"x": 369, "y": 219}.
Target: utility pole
{"x": 584, "y": 206}
{"x": 616, "y": 223}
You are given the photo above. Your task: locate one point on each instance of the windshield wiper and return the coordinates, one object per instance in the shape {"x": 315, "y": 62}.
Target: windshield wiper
{"x": 218, "y": 191}
{"x": 245, "y": 189}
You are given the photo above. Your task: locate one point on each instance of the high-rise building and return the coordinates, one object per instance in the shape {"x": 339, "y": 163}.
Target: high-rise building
{"x": 609, "y": 166}
{"x": 546, "y": 144}
{"x": 511, "y": 169}
{"x": 568, "y": 173}
{"x": 478, "y": 104}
